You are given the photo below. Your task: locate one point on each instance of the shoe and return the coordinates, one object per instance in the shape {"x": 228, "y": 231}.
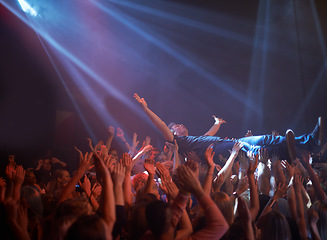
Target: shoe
{"x": 290, "y": 143}
{"x": 317, "y": 133}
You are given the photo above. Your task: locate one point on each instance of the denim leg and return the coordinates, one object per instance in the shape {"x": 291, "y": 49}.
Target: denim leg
{"x": 306, "y": 142}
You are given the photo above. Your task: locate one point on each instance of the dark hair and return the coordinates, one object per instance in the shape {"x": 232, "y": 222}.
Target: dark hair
{"x": 76, "y": 207}
{"x": 275, "y": 226}
{"x": 156, "y": 216}
{"x": 87, "y": 227}
{"x": 33, "y": 198}
{"x": 321, "y": 208}
{"x": 138, "y": 224}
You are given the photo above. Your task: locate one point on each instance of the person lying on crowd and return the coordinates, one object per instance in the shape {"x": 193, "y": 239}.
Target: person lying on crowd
{"x": 199, "y": 144}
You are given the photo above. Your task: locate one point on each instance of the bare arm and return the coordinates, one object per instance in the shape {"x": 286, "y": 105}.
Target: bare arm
{"x": 254, "y": 196}
{"x": 120, "y": 134}
{"x": 118, "y": 179}
{"x": 229, "y": 164}
{"x": 315, "y": 181}
{"x": 215, "y": 127}
{"x": 168, "y": 135}
{"x": 209, "y": 154}
{"x": 127, "y": 162}
{"x": 300, "y": 208}
{"x": 111, "y": 133}
{"x": 108, "y": 198}
{"x": 69, "y": 188}
{"x": 149, "y": 167}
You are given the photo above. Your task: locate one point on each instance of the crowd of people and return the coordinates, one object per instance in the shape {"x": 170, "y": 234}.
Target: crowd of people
{"x": 189, "y": 189}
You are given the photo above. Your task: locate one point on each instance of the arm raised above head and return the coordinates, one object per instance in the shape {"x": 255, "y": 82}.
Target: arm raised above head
{"x": 215, "y": 127}
{"x": 161, "y": 125}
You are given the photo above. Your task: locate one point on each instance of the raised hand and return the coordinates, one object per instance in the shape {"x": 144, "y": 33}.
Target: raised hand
{"x": 39, "y": 164}
{"x": 10, "y": 171}
{"x": 2, "y": 189}
{"x": 90, "y": 144}
{"x": 218, "y": 120}
{"x": 96, "y": 190}
{"x": 242, "y": 185}
{"x": 120, "y": 133}
{"x": 170, "y": 189}
{"x": 248, "y": 133}
{"x": 141, "y": 101}
{"x": 298, "y": 181}
{"x": 289, "y": 169}
{"x": 135, "y": 142}
{"x": 149, "y": 166}
{"x": 194, "y": 166}
{"x": 111, "y": 130}
{"x": 163, "y": 172}
{"x": 171, "y": 146}
{"x": 263, "y": 155}
{"x": 86, "y": 161}
{"x": 79, "y": 153}
{"x": 86, "y": 186}
{"x": 19, "y": 175}
{"x": 188, "y": 181}
{"x": 209, "y": 154}
{"x": 118, "y": 174}
{"x": 236, "y": 148}
{"x": 280, "y": 191}
{"x": 253, "y": 166}
{"x": 217, "y": 182}
{"x": 127, "y": 162}
{"x": 147, "y": 141}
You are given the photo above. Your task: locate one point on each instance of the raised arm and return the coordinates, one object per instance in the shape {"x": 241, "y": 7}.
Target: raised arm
{"x": 85, "y": 163}
{"x": 215, "y": 127}
{"x": 161, "y": 125}
{"x": 254, "y": 197}
{"x": 120, "y": 134}
{"x": 111, "y": 133}
{"x": 229, "y": 164}
{"x": 315, "y": 181}
{"x": 211, "y": 168}
{"x": 108, "y": 198}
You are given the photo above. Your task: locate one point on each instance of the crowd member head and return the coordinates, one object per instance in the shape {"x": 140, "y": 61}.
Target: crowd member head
{"x": 29, "y": 178}
{"x": 178, "y": 129}
{"x": 32, "y": 197}
{"x": 89, "y": 227}
{"x": 139, "y": 180}
{"x": 73, "y": 207}
{"x": 59, "y": 180}
{"x": 114, "y": 154}
{"x": 275, "y": 226}
{"x": 162, "y": 157}
{"x": 138, "y": 224}
{"x": 46, "y": 165}
{"x": 153, "y": 154}
{"x": 159, "y": 216}
{"x": 321, "y": 208}
{"x": 60, "y": 227}
{"x": 225, "y": 206}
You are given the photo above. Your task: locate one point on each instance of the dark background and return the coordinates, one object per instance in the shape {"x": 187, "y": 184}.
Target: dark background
{"x": 260, "y": 65}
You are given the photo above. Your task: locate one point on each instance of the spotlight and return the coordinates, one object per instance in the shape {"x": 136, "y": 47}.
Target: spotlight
{"x": 27, "y": 8}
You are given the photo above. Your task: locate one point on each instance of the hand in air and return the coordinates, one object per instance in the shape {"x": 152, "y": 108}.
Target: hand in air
{"x": 140, "y": 100}
{"x": 218, "y": 120}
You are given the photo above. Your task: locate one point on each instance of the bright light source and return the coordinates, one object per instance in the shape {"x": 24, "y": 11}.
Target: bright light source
{"x": 27, "y": 8}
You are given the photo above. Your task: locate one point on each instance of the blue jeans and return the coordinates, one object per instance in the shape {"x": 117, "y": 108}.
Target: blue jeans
{"x": 271, "y": 143}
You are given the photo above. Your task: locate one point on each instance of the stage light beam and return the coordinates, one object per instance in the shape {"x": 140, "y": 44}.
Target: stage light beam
{"x": 27, "y": 8}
